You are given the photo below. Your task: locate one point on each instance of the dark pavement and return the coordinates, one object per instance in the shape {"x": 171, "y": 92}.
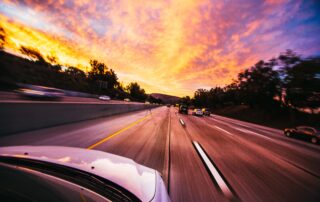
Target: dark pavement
{"x": 256, "y": 162}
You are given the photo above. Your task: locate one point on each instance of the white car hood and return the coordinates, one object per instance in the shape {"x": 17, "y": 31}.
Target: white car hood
{"x": 138, "y": 179}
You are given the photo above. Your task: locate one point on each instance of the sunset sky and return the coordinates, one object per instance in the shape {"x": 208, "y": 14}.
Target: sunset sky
{"x": 172, "y": 47}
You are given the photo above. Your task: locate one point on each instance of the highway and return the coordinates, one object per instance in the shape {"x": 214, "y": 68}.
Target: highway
{"x": 204, "y": 159}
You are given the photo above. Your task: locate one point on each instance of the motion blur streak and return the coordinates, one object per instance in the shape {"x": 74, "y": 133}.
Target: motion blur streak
{"x": 171, "y": 47}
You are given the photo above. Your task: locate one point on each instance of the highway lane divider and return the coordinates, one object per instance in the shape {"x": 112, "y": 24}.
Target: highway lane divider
{"x": 214, "y": 172}
{"x": 182, "y": 122}
{"x": 223, "y": 130}
{"x": 167, "y": 161}
{"x": 118, "y": 132}
{"x": 251, "y": 132}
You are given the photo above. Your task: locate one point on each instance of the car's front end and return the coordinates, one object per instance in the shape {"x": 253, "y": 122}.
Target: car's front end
{"x": 92, "y": 175}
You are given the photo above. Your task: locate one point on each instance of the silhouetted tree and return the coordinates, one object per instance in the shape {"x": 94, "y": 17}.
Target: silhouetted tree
{"x": 112, "y": 79}
{"x": 186, "y": 100}
{"x": 2, "y": 38}
{"x": 259, "y": 85}
{"x": 136, "y": 92}
{"x": 288, "y": 59}
{"x": 302, "y": 84}
{"x": 97, "y": 68}
{"x": 32, "y": 53}
{"x": 201, "y": 97}
{"x": 52, "y": 59}
{"x": 75, "y": 73}
{"x": 152, "y": 99}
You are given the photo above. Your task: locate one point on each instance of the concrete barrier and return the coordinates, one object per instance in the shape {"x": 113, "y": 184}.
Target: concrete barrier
{"x": 19, "y": 117}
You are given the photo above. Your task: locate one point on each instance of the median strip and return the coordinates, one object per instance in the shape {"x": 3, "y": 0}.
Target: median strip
{"x": 213, "y": 171}
{"x": 117, "y": 133}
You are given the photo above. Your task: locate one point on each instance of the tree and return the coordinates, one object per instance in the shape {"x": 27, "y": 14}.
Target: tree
{"x": 52, "y": 59}
{"x": 98, "y": 68}
{"x": 302, "y": 84}
{"x": 201, "y": 97}
{"x": 288, "y": 59}
{"x": 259, "y": 85}
{"x": 185, "y": 100}
{"x": 152, "y": 99}
{"x": 97, "y": 76}
{"x": 32, "y": 53}
{"x": 112, "y": 79}
{"x": 75, "y": 73}
{"x": 2, "y": 38}
{"x": 136, "y": 92}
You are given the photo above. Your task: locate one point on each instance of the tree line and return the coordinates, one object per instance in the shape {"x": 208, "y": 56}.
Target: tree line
{"x": 287, "y": 81}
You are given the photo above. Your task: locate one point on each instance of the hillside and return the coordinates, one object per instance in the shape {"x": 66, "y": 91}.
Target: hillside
{"x": 167, "y": 99}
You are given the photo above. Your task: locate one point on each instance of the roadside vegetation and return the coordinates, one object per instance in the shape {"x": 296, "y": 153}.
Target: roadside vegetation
{"x": 280, "y": 92}
{"x": 38, "y": 69}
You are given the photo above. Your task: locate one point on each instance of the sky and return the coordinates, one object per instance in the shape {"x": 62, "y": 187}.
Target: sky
{"x": 169, "y": 46}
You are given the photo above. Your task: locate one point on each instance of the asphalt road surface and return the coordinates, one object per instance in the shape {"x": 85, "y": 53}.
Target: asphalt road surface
{"x": 200, "y": 158}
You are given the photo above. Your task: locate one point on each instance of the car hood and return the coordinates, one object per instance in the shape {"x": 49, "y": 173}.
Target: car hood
{"x": 138, "y": 179}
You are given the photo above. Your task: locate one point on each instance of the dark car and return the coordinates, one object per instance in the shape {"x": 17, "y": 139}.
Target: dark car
{"x": 304, "y": 132}
{"x": 183, "y": 109}
{"x": 40, "y": 92}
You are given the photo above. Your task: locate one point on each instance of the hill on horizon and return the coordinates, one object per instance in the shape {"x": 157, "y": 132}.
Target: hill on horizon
{"x": 167, "y": 99}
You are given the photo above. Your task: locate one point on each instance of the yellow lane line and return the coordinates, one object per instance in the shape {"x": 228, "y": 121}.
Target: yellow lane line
{"x": 118, "y": 132}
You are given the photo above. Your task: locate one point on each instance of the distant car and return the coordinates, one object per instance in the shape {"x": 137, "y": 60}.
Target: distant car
{"x": 147, "y": 102}
{"x": 304, "y": 132}
{"x": 104, "y": 98}
{"x": 168, "y": 105}
{"x": 126, "y": 100}
{"x": 206, "y": 111}
{"x": 197, "y": 112}
{"x": 52, "y": 173}
{"x": 183, "y": 109}
{"x": 43, "y": 93}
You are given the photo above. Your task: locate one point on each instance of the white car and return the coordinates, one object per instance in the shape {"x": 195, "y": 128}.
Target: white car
{"x": 104, "y": 97}
{"x": 197, "y": 112}
{"x": 126, "y": 100}
{"x": 42, "y": 173}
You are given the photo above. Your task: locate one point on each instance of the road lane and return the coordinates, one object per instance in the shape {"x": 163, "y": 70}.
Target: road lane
{"x": 189, "y": 179}
{"x": 145, "y": 143}
{"x": 271, "y": 132}
{"x": 81, "y": 134}
{"x": 252, "y": 169}
{"x": 302, "y": 154}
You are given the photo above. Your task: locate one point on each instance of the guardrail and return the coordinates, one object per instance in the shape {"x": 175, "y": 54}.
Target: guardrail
{"x": 19, "y": 117}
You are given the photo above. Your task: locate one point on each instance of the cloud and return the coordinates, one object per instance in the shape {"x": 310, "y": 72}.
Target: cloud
{"x": 168, "y": 46}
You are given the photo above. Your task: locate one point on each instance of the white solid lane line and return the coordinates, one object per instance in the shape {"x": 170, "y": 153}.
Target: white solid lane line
{"x": 222, "y": 130}
{"x": 182, "y": 122}
{"x": 213, "y": 171}
{"x": 248, "y": 131}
